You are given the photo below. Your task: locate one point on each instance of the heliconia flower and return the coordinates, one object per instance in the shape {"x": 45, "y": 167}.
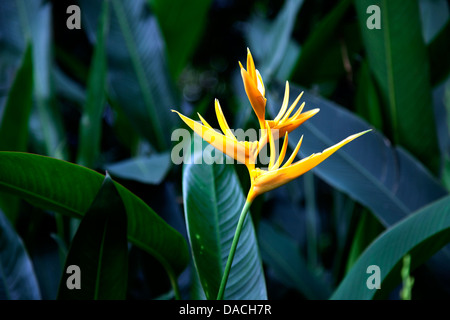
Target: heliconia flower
{"x": 276, "y": 175}
{"x": 254, "y": 87}
{"x": 244, "y": 152}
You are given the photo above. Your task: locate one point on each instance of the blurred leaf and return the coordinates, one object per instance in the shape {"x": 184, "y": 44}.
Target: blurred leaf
{"x": 384, "y": 178}
{"x": 321, "y": 53}
{"x": 31, "y": 22}
{"x": 91, "y": 119}
{"x": 283, "y": 255}
{"x": 213, "y": 202}
{"x": 269, "y": 41}
{"x": 421, "y": 235}
{"x": 17, "y": 278}
{"x": 182, "y": 24}
{"x": 100, "y": 249}
{"x": 397, "y": 57}
{"x": 367, "y": 230}
{"x": 434, "y": 15}
{"x": 438, "y": 52}
{"x": 14, "y": 122}
{"x": 49, "y": 116}
{"x": 70, "y": 189}
{"x": 137, "y": 71}
{"x": 366, "y": 98}
{"x": 139, "y": 77}
{"x": 151, "y": 170}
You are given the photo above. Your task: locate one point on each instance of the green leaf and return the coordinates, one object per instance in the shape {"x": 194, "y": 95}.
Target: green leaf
{"x": 49, "y": 116}
{"x": 263, "y": 36}
{"x": 30, "y": 22}
{"x": 151, "y": 170}
{"x": 17, "y": 277}
{"x": 213, "y": 202}
{"x": 321, "y": 54}
{"x": 182, "y": 24}
{"x": 283, "y": 255}
{"x": 366, "y": 99}
{"x": 14, "y": 122}
{"x": 100, "y": 250}
{"x": 367, "y": 230}
{"x": 138, "y": 78}
{"x": 398, "y": 59}
{"x": 70, "y": 189}
{"x": 91, "y": 119}
{"x": 420, "y": 235}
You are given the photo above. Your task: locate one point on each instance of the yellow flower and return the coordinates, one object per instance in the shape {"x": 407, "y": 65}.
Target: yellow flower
{"x": 243, "y": 151}
{"x": 275, "y": 176}
{"x": 254, "y": 87}
{"x": 283, "y": 122}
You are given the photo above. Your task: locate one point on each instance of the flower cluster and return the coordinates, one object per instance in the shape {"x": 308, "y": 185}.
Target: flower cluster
{"x": 263, "y": 180}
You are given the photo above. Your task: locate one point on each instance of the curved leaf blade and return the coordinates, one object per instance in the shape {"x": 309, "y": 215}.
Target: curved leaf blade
{"x": 384, "y": 178}
{"x": 182, "y": 24}
{"x": 421, "y": 235}
{"x": 16, "y": 114}
{"x": 70, "y": 189}
{"x": 100, "y": 250}
{"x": 213, "y": 201}
{"x": 398, "y": 59}
{"x": 91, "y": 119}
{"x": 17, "y": 278}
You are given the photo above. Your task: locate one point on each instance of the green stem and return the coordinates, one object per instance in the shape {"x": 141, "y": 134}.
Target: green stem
{"x": 237, "y": 234}
{"x": 174, "y": 283}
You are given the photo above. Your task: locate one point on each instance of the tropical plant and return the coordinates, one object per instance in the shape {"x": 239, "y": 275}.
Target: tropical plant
{"x": 88, "y": 139}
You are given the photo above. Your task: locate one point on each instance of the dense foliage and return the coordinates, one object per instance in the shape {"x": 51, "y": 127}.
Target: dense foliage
{"x": 77, "y": 103}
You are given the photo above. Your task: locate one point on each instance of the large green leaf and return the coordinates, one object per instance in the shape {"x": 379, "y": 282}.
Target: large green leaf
{"x": 398, "y": 59}
{"x": 213, "y": 200}
{"x": 91, "y": 119}
{"x": 17, "y": 277}
{"x": 100, "y": 250}
{"x": 384, "y": 178}
{"x": 70, "y": 189}
{"x": 182, "y": 24}
{"x": 420, "y": 235}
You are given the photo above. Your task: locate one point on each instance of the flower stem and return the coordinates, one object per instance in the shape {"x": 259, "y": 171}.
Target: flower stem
{"x": 234, "y": 244}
